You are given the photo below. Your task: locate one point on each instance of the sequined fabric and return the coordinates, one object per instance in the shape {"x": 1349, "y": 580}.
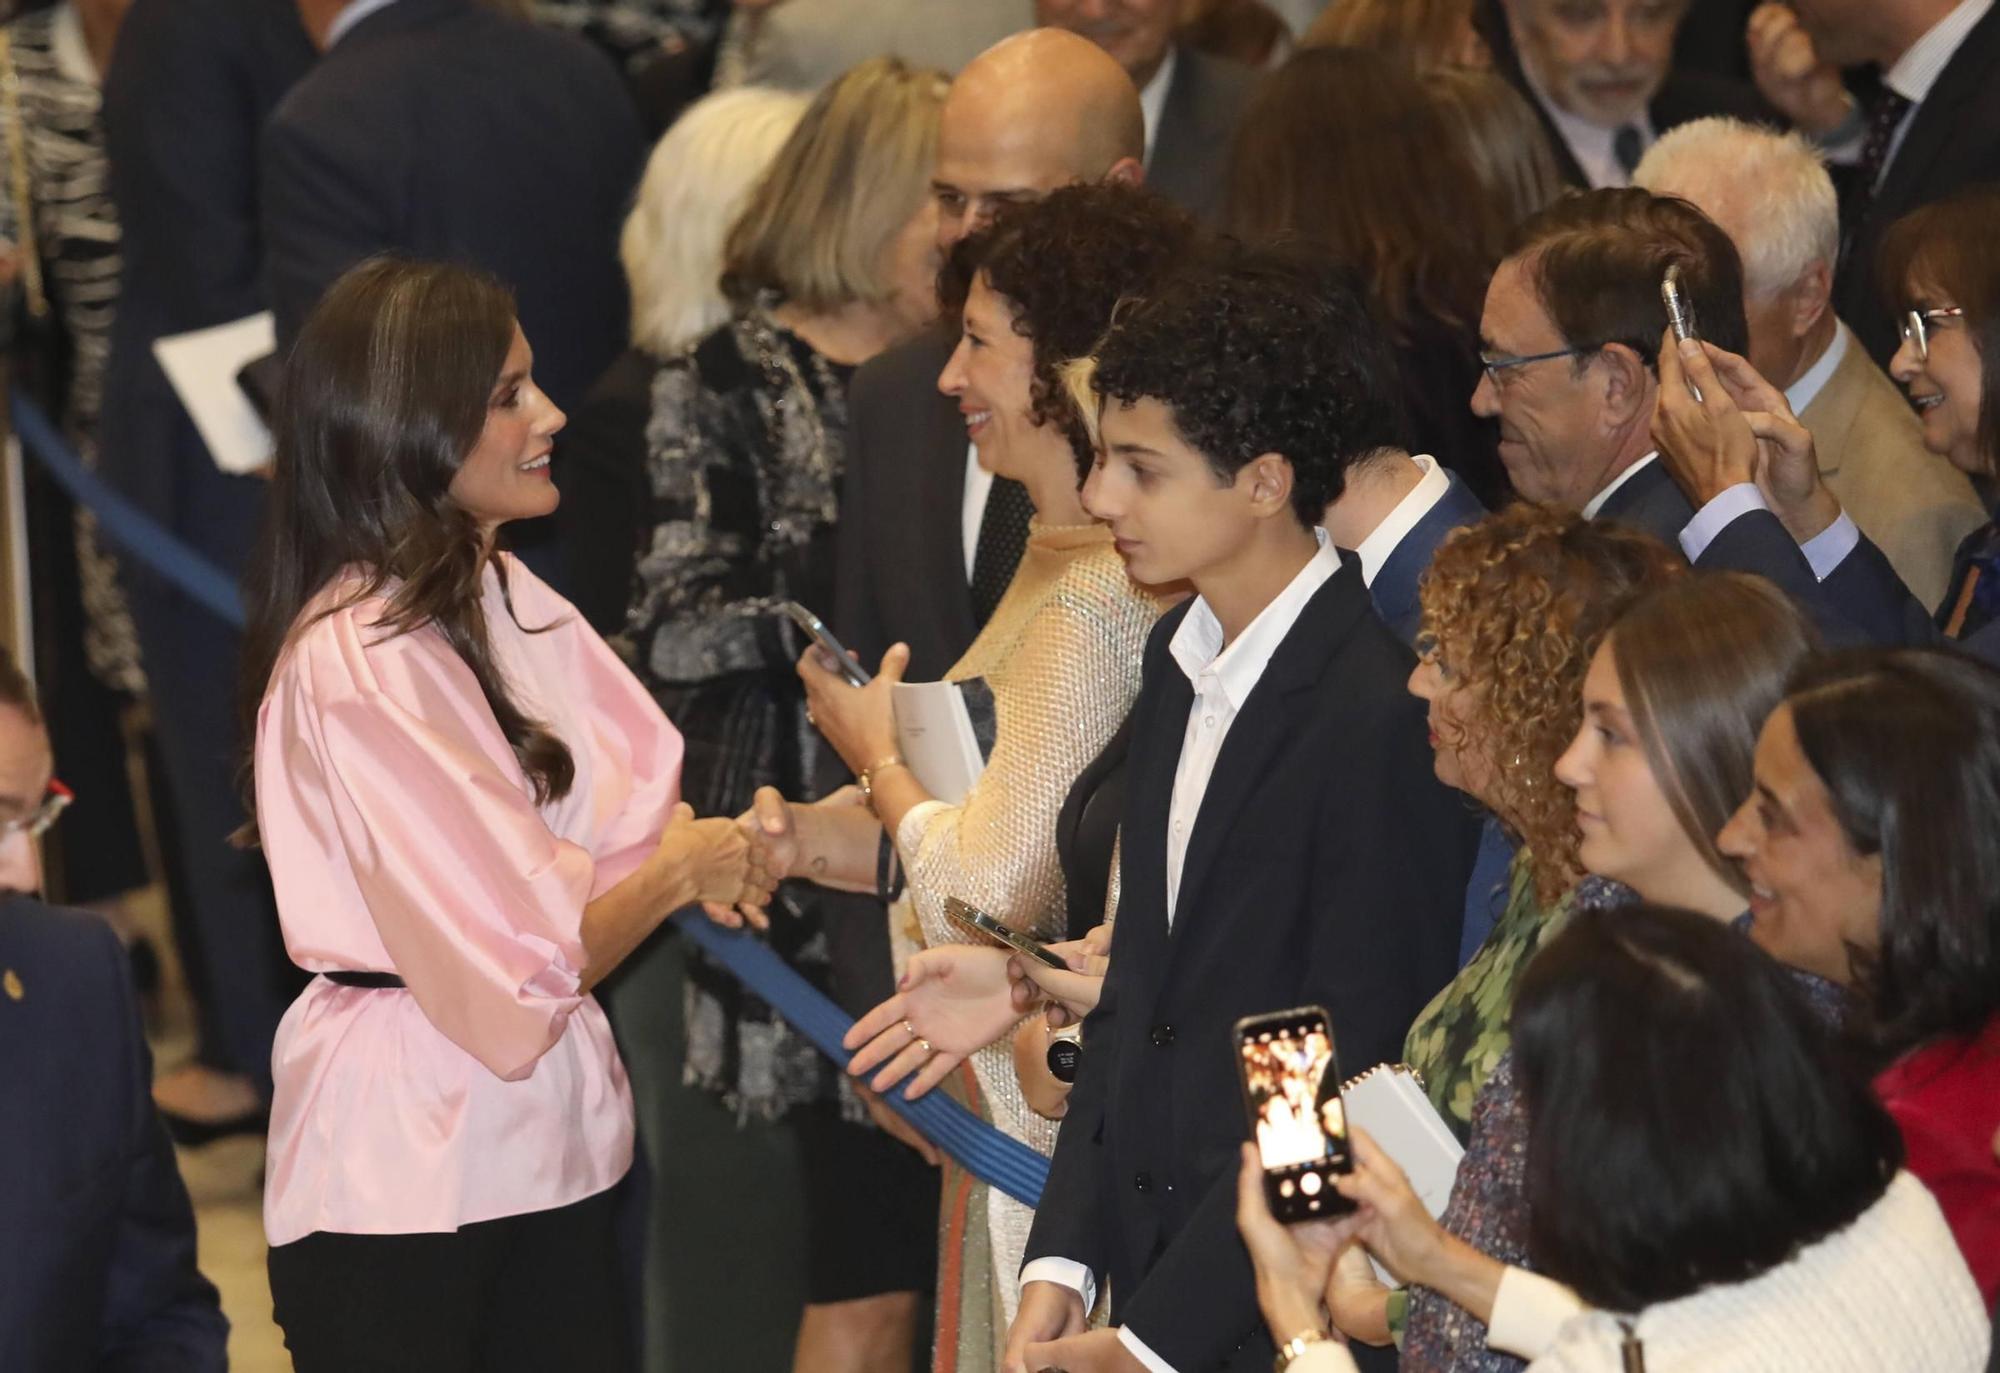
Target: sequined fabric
{"x": 1062, "y": 654}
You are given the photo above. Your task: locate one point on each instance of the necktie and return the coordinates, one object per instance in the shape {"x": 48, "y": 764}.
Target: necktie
{"x": 1003, "y": 533}
{"x": 1883, "y": 121}
{"x": 1627, "y": 146}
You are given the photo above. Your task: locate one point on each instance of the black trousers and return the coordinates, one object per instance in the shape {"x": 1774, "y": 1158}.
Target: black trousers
{"x": 535, "y": 1292}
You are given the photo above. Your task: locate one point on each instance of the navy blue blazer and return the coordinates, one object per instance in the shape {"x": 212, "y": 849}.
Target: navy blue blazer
{"x": 1652, "y": 501}
{"x": 444, "y": 129}
{"x": 1326, "y": 864}
{"x": 1394, "y": 589}
{"x": 97, "y": 1254}
{"x": 191, "y": 83}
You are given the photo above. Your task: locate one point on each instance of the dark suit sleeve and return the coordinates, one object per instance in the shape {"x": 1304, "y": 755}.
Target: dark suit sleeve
{"x": 323, "y": 212}
{"x": 160, "y": 1314}
{"x": 855, "y": 617}
{"x": 1395, "y": 849}
{"x": 1862, "y": 601}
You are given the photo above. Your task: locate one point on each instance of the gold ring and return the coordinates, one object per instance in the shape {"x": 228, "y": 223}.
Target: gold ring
{"x": 910, "y": 1029}
{"x": 927, "y": 1045}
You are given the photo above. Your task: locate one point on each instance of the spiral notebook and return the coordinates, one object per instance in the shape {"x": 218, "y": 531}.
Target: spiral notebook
{"x": 1389, "y": 1103}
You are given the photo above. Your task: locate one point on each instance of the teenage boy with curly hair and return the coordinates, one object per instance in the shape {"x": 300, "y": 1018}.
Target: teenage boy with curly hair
{"x": 1285, "y": 841}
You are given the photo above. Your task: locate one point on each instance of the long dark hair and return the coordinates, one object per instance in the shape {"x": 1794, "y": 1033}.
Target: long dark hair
{"x": 1690, "y": 1121}
{"x": 1907, "y": 744}
{"x": 1345, "y": 151}
{"x": 383, "y": 396}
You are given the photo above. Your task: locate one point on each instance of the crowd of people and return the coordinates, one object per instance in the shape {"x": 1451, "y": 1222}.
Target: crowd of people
{"x": 1475, "y": 515}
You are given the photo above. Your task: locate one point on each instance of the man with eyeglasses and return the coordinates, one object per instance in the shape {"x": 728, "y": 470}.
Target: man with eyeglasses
{"x": 1570, "y": 337}
{"x": 97, "y": 1239}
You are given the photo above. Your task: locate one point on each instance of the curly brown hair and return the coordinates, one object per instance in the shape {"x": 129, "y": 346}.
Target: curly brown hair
{"x": 1063, "y": 264}
{"x": 1514, "y": 607}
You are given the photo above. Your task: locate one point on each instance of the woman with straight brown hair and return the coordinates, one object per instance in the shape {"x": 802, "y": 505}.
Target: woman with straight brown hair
{"x": 470, "y": 810}
{"x": 1502, "y": 135}
{"x": 1346, "y": 153}
{"x": 1423, "y": 34}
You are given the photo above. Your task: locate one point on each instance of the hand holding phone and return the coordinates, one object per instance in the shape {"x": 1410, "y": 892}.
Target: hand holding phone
{"x": 832, "y": 652}
{"x": 1680, "y": 315}
{"x": 1291, "y": 1093}
{"x": 970, "y": 917}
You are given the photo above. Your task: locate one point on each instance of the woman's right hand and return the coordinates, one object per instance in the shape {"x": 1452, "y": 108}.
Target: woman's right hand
{"x": 724, "y": 862}
{"x": 1392, "y": 1220}
{"x": 1071, "y": 991}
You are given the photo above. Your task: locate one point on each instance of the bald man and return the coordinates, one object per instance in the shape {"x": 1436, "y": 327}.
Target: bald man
{"x": 1191, "y": 100}
{"x": 918, "y": 516}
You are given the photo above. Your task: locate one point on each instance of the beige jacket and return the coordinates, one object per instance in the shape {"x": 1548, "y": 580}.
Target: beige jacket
{"x": 1914, "y": 505}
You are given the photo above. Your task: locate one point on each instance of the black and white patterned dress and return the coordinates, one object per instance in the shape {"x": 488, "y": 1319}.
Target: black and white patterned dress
{"x": 76, "y": 236}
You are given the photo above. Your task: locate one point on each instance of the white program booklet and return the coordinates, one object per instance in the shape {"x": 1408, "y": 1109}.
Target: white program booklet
{"x": 1387, "y": 1102}
{"x": 937, "y": 738}
{"x": 202, "y": 366}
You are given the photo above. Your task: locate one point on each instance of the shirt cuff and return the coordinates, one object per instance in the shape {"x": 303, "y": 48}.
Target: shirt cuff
{"x": 1528, "y": 1313}
{"x": 1064, "y": 1273}
{"x": 1718, "y": 515}
{"x": 1829, "y": 548}
{"x": 1154, "y": 1363}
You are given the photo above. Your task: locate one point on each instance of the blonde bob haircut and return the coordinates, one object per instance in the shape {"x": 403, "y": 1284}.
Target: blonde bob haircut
{"x": 697, "y": 182}
{"x": 847, "y": 181}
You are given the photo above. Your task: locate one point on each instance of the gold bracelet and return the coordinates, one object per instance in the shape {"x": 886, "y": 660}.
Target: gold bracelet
{"x": 866, "y": 778}
{"x": 1291, "y": 1349}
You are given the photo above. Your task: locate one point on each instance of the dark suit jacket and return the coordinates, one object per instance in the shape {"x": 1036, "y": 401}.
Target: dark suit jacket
{"x": 1394, "y": 589}
{"x": 444, "y": 129}
{"x": 191, "y": 83}
{"x": 1652, "y": 501}
{"x": 1953, "y": 142}
{"x": 1190, "y": 162}
{"x": 1327, "y": 865}
{"x": 97, "y": 1265}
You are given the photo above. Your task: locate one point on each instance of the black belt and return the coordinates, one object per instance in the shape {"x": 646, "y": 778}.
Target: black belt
{"x": 352, "y": 979}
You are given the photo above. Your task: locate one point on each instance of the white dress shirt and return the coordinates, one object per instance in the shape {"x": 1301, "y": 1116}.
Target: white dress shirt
{"x": 1223, "y": 676}
{"x": 1377, "y": 548}
{"x": 1596, "y": 503}
{"x": 972, "y": 507}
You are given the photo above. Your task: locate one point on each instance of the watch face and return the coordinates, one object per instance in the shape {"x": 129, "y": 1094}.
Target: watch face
{"x": 1064, "y": 1055}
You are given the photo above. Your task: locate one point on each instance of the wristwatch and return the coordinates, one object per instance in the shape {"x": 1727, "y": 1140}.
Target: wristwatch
{"x": 1065, "y": 1051}
{"x": 1291, "y": 1349}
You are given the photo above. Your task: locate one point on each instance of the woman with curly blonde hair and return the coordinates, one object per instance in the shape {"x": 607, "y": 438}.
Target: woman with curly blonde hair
{"x": 1514, "y": 607}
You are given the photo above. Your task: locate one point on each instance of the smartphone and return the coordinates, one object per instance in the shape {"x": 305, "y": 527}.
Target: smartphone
{"x": 1680, "y": 315}
{"x": 831, "y": 649}
{"x": 1291, "y": 1092}
{"x": 979, "y": 922}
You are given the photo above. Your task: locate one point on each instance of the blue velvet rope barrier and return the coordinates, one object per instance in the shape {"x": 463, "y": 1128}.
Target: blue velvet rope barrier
{"x": 987, "y": 1153}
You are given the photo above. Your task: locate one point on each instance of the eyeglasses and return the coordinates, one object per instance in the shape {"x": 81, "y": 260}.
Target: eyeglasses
{"x": 1496, "y": 365}
{"x": 1916, "y": 327}
{"x": 36, "y": 822}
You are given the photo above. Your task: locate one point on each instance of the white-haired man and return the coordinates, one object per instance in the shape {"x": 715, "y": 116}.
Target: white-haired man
{"x": 1771, "y": 194}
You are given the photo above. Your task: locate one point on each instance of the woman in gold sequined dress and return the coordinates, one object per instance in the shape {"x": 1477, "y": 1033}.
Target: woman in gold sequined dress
{"x": 1061, "y": 654}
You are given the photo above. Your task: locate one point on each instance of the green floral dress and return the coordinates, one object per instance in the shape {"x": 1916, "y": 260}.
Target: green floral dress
{"x": 1456, "y": 1041}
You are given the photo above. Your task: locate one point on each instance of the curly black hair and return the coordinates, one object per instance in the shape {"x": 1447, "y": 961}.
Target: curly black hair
{"x": 1262, "y": 350}
{"x": 1064, "y": 263}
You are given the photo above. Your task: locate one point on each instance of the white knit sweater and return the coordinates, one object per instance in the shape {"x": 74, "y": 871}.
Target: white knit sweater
{"x": 1889, "y": 1294}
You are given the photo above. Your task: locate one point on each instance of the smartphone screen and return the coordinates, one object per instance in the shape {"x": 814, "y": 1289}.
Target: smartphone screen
{"x": 1291, "y": 1091}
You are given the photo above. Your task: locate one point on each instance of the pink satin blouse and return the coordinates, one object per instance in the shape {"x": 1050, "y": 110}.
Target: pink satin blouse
{"x": 403, "y": 837}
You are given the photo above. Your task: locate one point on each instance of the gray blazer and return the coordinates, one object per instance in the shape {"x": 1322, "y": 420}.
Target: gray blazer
{"x": 1190, "y": 162}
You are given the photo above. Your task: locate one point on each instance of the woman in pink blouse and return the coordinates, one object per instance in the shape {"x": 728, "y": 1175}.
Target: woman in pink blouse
{"x": 470, "y": 809}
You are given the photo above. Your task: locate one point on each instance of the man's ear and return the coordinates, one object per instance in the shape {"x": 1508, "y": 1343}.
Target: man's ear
{"x": 1267, "y": 481}
{"x": 1126, "y": 171}
{"x": 1628, "y": 384}
{"x": 1810, "y": 297}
